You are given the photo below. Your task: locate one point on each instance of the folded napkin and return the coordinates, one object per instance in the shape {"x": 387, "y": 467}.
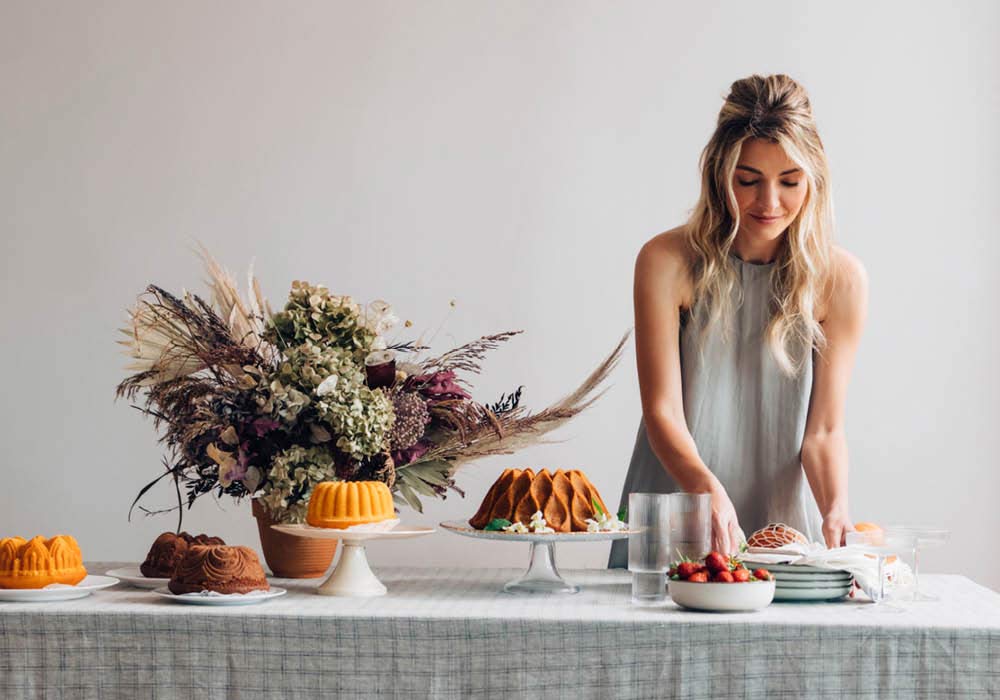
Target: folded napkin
{"x": 856, "y": 559}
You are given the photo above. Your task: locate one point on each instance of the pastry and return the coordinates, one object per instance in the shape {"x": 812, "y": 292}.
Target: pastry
{"x": 167, "y": 551}
{"x": 38, "y": 562}
{"x": 342, "y": 504}
{"x": 566, "y": 499}
{"x": 220, "y": 568}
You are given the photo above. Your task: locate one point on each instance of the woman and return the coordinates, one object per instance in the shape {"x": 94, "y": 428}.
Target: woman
{"x": 747, "y": 320}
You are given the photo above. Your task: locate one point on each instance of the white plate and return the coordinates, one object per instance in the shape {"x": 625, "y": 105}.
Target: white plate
{"x": 222, "y": 599}
{"x": 811, "y": 594}
{"x": 722, "y": 597}
{"x": 792, "y": 568}
{"x": 813, "y": 585}
{"x": 462, "y": 527}
{"x": 41, "y": 595}
{"x": 330, "y": 533}
{"x": 132, "y": 575}
{"x": 821, "y": 579}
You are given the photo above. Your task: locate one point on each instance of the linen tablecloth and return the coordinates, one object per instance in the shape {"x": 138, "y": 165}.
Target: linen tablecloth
{"x": 452, "y": 633}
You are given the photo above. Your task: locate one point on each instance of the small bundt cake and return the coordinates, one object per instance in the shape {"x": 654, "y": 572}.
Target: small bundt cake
{"x": 776, "y": 535}
{"x": 167, "y": 551}
{"x": 38, "y": 562}
{"x": 220, "y": 568}
{"x": 565, "y": 498}
{"x": 342, "y": 504}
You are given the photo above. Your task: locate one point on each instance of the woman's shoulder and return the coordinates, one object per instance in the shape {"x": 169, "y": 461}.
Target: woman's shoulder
{"x": 846, "y": 284}
{"x": 665, "y": 261}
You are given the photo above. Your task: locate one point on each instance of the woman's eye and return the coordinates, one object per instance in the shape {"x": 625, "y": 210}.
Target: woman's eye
{"x": 747, "y": 183}
{"x": 790, "y": 184}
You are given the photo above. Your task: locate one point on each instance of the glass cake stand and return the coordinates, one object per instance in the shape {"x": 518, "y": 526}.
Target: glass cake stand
{"x": 353, "y": 576}
{"x": 542, "y": 575}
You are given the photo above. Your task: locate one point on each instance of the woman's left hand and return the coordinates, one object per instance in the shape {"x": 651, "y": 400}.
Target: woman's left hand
{"x": 836, "y": 525}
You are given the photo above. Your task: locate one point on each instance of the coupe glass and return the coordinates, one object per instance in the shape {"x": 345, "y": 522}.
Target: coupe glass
{"x": 887, "y": 594}
{"x": 649, "y": 548}
{"x": 919, "y": 538}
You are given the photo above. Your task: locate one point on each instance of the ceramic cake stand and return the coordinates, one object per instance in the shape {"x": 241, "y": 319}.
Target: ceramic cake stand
{"x": 352, "y": 575}
{"x": 542, "y": 575}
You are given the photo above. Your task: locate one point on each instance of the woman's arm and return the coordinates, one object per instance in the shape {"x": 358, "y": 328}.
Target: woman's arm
{"x": 824, "y": 445}
{"x": 662, "y": 288}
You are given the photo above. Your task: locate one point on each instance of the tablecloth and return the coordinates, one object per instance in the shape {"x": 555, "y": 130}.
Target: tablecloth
{"x": 453, "y": 633}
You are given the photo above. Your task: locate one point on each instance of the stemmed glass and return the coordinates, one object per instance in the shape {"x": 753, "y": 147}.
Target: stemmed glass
{"x": 917, "y": 538}
{"x": 882, "y": 546}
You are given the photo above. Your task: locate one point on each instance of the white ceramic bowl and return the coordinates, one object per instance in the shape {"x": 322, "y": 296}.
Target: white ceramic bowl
{"x": 722, "y": 597}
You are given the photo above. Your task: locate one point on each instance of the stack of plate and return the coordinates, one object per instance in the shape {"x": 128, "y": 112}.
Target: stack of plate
{"x": 796, "y": 582}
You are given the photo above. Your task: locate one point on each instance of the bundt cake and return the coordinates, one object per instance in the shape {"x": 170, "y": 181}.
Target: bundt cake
{"x": 776, "y": 535}
{"x": 342, "y": 504}
{"x": 38, "y": 562}
{"x": 167, "y": 551}
{"x": 565, "y": 499}
{"x": 220, "y": 568}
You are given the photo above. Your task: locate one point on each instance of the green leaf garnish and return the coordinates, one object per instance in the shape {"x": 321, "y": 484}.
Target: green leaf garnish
{"x": 497, "y": 524}
{"x": 622, "y": 513}
{"x": 597, "y": 506}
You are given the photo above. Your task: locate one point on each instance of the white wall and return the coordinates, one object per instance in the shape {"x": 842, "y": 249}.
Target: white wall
{"x": 512, "y": 156}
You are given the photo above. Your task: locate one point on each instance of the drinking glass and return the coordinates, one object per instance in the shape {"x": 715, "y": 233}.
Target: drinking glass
{"x": 690, "y": 525}
{"x": 649, "y": 548}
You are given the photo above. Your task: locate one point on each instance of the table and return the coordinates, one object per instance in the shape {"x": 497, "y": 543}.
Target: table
{"x": 448, "y": 633}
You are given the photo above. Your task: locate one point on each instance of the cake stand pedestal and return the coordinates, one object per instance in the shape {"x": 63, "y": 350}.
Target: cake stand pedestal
{"x": 352, "y": 577}
{"x": 542, "y": 575}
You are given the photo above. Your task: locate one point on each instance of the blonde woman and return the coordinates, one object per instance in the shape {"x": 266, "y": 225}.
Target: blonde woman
{"x": 747, "y": 319}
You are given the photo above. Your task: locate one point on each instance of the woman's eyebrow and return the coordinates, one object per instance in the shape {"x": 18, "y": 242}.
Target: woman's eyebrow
{"x": 754, "y": 170}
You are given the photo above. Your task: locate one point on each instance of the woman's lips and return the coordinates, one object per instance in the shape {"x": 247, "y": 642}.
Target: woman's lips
{"x": 766, "y": 219}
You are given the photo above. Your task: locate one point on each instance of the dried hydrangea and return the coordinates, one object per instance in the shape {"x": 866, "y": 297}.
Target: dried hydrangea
{"x": 313, "y": 315}
{"x": 412, "y": 418}
{"x": 291, "y": 479}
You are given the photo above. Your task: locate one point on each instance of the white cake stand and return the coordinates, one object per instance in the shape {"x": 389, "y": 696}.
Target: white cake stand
{"x": 542, "y": 575}
{"x": 352, "y": 576}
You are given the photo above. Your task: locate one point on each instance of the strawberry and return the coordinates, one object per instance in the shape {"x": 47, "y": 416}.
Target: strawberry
{"x": 762, "y": 574}
{"x": 741, "y": 575}
{"x": 716, "y": 562}
{"x": 699, "y": 577}
{"x": 672, "y": 572}
{"x": 723, "y": 577}
{"x": 686, "y": 568}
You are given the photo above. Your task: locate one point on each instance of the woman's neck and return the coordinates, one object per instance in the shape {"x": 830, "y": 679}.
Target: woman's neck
{"x": 758, "y": 252}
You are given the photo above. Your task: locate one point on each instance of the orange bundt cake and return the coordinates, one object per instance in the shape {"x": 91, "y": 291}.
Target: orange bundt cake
{"x": 220, "y": 568}
{"x": 342, "y": 504}
{"x": 565, "y": 498}
{"x": 38, "y": 562}
{"x": 167, "y": 551}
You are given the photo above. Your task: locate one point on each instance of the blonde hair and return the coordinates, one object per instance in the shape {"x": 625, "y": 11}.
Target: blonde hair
{"x": 775, "y": 108}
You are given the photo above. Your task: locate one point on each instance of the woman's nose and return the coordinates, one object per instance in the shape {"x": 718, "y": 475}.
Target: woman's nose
{"x": 767, "y": 198}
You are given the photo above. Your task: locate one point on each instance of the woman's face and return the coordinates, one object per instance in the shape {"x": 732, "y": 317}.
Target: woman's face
{"x": 769, "y": 189}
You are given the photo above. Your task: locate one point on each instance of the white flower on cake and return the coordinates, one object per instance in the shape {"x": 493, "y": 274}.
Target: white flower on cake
{"x": 538, "y": 525}
{"x": 517, "y": 528}
{"x": 605, "y": 523}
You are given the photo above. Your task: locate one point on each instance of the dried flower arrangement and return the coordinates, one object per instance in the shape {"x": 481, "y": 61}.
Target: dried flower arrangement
{"x": 263, "y": 404}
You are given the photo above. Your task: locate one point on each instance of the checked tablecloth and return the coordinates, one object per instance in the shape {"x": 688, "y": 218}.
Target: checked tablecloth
{"x": 450, "y": 633}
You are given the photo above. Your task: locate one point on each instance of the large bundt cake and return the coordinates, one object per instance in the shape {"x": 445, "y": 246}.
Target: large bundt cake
{"x": 38, "y": 562}
{"x": 167, "y": 551}
{"x": 565, "y": 498}
{"x": 342, "y": 504}
{"x": 219, "y": 568}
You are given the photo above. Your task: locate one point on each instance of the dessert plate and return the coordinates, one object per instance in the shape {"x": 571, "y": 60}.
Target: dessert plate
{"x": 132, "y": 575}
{"x": 251, "y": 598}
{"x": 57, "y": 592}
{"x": 815, "y": 594}
{"x": 461, "y": 527}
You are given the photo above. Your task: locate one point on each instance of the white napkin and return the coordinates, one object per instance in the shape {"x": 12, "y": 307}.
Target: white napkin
{"x": 855, "y": 559}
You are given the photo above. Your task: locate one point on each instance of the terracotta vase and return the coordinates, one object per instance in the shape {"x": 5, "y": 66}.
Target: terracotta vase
{"x": 288, "y": 556}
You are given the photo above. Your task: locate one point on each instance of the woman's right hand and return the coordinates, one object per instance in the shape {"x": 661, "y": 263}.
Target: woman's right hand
{"x": 726, "y": 533}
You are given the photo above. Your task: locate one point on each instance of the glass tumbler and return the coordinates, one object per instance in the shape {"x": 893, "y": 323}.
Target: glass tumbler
{"x": 690, "y": 525}
{"x": 649, "y": 548}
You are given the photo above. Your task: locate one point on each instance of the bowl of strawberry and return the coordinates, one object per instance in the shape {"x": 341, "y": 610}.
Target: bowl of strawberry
{"x": 719, "y": 584}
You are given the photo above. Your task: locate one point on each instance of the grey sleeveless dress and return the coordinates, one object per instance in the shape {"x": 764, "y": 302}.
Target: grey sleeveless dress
{"x": 746, "y": 416}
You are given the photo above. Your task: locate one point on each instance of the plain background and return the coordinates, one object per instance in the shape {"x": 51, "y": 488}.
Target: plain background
{"x": 511, "y": 157}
